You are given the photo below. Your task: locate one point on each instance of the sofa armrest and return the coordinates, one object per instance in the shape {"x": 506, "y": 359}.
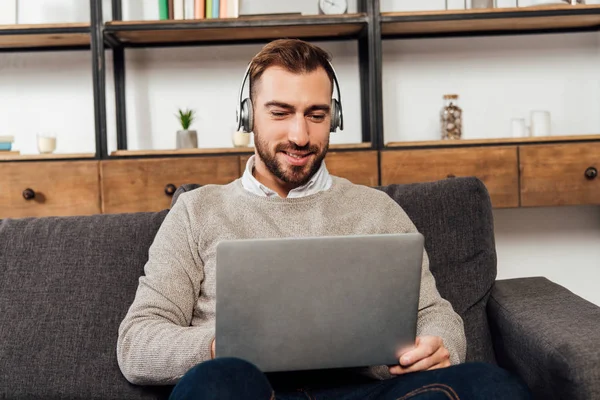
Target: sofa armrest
{"x": 547, "y": 335}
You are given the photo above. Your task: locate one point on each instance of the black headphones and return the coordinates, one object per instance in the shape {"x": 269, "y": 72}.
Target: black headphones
{"x": 245, "y": 117}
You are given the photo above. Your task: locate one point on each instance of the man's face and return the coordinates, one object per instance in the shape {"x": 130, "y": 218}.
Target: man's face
{"x": 291, "y": 123}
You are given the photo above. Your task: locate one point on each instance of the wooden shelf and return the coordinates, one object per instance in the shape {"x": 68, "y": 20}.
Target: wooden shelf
{"x": 473, "y": 142}
{"x": 225, "y": 150}
{"x": 54, "y": 156}
{"x": 507, "y": 20}
{"x": 71, "y": 35}
{"x": 243, "y": 29}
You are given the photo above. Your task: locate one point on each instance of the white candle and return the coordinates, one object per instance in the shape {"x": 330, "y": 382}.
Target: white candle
{"x": 241, "y": 139}
{"x": 46, "y": 144}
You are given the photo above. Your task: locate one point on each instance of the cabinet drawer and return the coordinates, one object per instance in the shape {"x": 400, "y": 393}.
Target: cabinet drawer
{"x": 56, "y": 188}
{"x": 497, "y": 167}
{"x": 143, "y": 184}
{"x": 560, "y": 174}
{"x": 359, "y": 167}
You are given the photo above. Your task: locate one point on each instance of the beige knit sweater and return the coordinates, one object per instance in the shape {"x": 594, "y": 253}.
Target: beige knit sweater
{"x": 171, "y": 323}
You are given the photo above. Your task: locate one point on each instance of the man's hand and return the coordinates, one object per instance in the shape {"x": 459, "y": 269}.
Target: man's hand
{"x": 212, "y": 349}
{"x": 429, "y": 353}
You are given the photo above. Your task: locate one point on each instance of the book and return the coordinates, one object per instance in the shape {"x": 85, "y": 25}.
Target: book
{"x": 215, "y": 8}
{"x": 171, "y": 4}
{"x": 163, "y": 9}
{"x": 7, "y": 139}
{"x": 178, "y": 9}
{"x": 209, "y": 7}
{"x": 8, "y": 12}
{"x": 224, "y": 9}
{"x": 199, "y": 7}
{"x": 234, "y": 8}
{"x": 188, "y": 12}
{"x": 5, "y": 146}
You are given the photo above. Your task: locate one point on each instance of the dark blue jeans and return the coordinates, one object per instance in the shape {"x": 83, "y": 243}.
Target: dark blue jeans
{"x": 231, "y": 378}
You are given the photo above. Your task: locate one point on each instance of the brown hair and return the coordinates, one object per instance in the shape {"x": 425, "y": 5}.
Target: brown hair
{"x": 294, "y": 55}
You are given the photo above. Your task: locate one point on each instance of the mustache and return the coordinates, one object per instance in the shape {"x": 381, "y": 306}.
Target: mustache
{"x": 291, "y": 146}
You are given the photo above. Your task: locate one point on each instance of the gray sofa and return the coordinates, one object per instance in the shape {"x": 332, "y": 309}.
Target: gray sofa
{"x": 66, "y": 283}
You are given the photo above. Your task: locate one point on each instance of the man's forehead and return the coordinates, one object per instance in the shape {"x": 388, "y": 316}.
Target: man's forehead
{"x": 277, "y": 83}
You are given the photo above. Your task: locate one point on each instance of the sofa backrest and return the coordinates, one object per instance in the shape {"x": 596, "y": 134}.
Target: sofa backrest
{"x": 67, "y": 282}
{"x": 65, "y": 285}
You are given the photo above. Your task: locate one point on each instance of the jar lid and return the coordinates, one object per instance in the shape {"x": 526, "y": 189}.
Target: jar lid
{"x": 450, "y": 96}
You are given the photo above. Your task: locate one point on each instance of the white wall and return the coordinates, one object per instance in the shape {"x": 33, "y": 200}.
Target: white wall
{"x": 497, "y": 78}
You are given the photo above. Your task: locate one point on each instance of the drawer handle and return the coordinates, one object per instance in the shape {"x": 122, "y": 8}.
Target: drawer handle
{"x": 170, "y": 189}
{"x": 591, "y": 173}
{"x": 28, "y": 194}
{"x": 451, "y": 176}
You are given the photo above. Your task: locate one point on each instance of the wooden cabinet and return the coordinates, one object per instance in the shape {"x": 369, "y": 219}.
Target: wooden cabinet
{"x": 38, "y": 189}
{"x": 497, "y": 167}
{"x": 359, "y": 167}
{"x": 560, "y": 174}
{"x": 148, "y": 184}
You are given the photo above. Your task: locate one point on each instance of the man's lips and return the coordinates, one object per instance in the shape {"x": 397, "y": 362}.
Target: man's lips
{"x": 297, "y": 158}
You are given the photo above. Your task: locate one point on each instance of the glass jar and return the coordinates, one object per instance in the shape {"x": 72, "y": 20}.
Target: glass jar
{"x": 451, "y": 118}
{"x": 482, "y": 4}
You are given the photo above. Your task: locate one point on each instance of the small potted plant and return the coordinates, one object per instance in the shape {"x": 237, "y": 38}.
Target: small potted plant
{"x": 186, "y": 138}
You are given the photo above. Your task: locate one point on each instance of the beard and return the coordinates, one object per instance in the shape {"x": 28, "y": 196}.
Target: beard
{"x": 293, "y": 175}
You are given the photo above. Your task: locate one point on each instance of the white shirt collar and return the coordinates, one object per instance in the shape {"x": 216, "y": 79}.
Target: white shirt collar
{"x": 321, "y": 180}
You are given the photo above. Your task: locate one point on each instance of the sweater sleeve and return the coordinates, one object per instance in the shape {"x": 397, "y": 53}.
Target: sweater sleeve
{"x": 156, "y": 344}
{"x": 436, "y": 317}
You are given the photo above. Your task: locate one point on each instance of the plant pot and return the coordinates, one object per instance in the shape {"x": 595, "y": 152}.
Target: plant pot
{"x": 187, "y": 139}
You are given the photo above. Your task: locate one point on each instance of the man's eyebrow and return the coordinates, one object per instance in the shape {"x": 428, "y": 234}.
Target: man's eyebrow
{"x": 315, "y": 107}
{"x": 280, "y": 104}
{"x": 319, "y": 107}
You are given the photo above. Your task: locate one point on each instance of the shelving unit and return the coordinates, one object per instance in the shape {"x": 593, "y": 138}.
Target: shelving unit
{"x": 75, "y": 36}
{"x": 493, "y": 142}
{"x": 546, "y": 19}
{"x": 501, "y": 163}
{"x": 240, "y": 30}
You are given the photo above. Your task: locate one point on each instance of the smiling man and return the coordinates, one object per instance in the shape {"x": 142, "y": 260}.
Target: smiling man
{"x": 168, "y": 334}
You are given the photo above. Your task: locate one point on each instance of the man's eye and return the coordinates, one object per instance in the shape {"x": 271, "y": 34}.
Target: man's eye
{"x": 278, "y": 114}
{"x": 317, "y": 117}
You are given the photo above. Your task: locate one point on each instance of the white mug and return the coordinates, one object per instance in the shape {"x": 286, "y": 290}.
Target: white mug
{"x": 519, "y": 128}
{"x": 540, "y": 123}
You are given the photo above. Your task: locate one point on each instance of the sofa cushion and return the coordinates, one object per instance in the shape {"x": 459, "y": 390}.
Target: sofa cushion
{"x": 455, "y": 216}
{"x": 65, "y": 285}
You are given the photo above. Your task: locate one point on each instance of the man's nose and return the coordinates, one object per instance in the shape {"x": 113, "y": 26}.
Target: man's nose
{"x": 298, "y": 132}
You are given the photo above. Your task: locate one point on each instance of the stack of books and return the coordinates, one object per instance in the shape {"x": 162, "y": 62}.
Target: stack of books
{"x": 6, "y": 143}
{"x": 198, "y": 9}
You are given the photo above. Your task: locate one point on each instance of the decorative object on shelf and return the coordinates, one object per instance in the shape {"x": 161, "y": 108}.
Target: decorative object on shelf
{"x": 46, "y": 142}
{"x": 540, "y": 123}
{"x": 240, "y": 138}
{"x": 186, "y": 138}
{"x": 451, "y": 118}
{"x": 519, "y": 128}
{"x": 482, "y": 4}
{"x": 6, "y": 143}
{"x": 331, "y": 7}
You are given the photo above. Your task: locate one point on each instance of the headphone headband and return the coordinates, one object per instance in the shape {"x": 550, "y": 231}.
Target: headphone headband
{"x": 244, "y": 117}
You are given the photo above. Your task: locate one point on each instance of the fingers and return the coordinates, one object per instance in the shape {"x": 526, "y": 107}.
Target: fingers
{"x": 440, "y": 359}
{"x": 426, "y": 346}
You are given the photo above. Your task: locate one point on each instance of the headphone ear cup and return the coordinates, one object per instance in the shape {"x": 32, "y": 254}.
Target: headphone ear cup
{"x": 247, "y": 116}
{"x": 335, "y": 115}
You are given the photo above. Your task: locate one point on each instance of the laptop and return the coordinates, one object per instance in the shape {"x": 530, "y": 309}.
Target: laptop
{"x": 311, "y": 303}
